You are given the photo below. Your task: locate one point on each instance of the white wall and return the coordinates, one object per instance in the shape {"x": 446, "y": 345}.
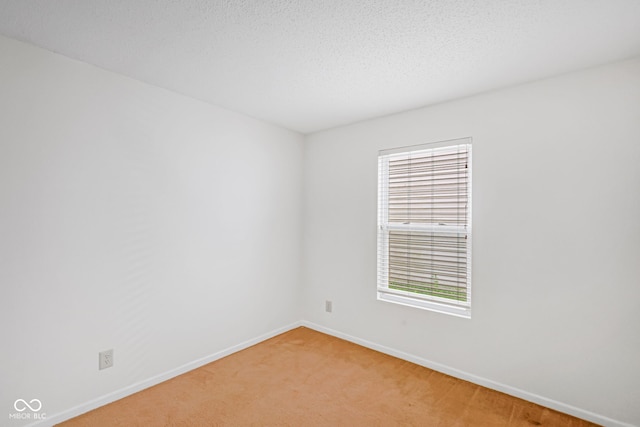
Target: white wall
{"x": 135, "y": 219}
{"x": 556, "y": 245}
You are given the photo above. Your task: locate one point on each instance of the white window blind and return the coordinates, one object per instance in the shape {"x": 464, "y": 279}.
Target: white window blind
{"x": 424, "y": 226}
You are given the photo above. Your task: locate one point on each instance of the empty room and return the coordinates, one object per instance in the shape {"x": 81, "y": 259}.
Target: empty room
{"x": 319, "y": 213}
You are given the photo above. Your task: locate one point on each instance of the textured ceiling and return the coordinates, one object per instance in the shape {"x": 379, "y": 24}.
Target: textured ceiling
{"x": 314, "y": 64}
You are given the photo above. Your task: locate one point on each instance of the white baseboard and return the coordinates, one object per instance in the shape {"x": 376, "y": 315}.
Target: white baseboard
{"x": 494, "y": 385}
{"x": 134, "y": 388}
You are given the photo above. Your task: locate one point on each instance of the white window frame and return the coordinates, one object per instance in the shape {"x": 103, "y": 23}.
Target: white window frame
{"x": 412, "y": 299}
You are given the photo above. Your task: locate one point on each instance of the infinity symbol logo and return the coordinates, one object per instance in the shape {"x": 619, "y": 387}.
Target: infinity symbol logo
{"x": 26, "y": 405}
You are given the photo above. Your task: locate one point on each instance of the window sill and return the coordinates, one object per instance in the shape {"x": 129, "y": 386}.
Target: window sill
{"x": 463, "y": 312}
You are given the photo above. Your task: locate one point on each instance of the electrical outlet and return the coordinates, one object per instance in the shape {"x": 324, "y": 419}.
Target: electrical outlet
{"x": 105, "y": 359}
{"x": 328, "y": 306}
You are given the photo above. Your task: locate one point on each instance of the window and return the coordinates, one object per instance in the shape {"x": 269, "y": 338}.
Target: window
{"x": 424, "y": 226}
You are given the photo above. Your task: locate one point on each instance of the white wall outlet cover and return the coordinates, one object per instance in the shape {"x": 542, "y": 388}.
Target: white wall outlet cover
{"x": 105, "y": 359}
{"x": 328, "y": 306}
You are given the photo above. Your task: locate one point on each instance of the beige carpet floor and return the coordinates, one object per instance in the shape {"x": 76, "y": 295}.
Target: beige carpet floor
{"x": 306, "y": 378}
